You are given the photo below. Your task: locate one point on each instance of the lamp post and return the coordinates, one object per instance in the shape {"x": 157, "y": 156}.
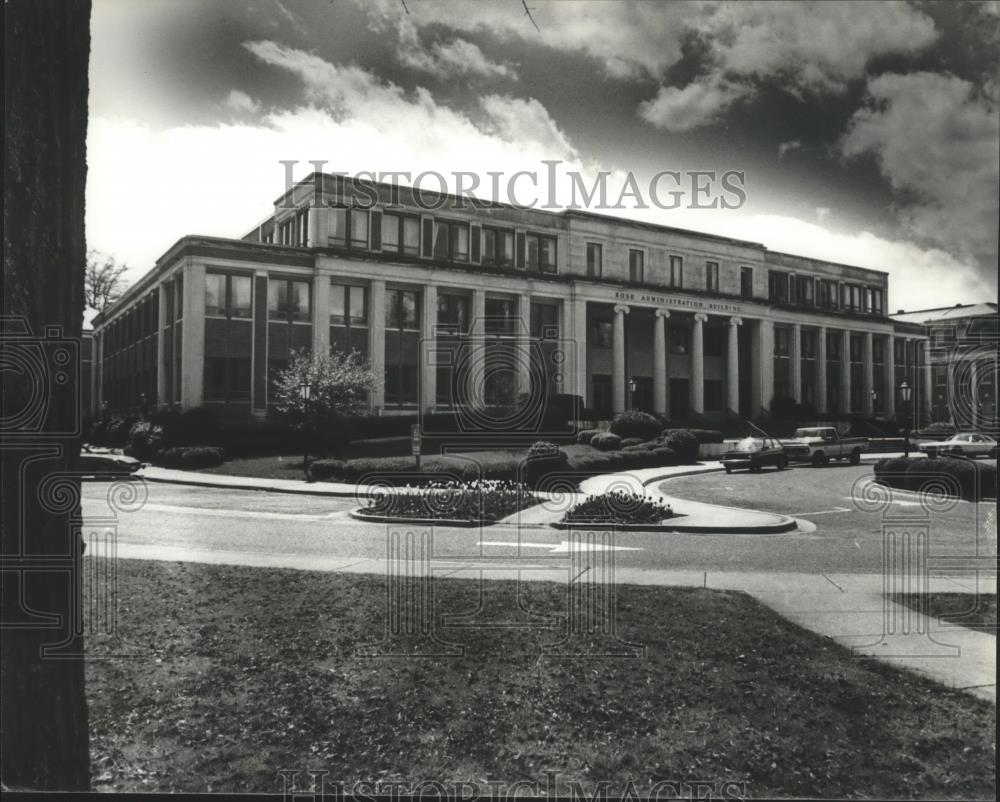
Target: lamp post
{"x": 305, "y": 393}
{"x": 633, "y": 385}
{"x": 905, "y": 391}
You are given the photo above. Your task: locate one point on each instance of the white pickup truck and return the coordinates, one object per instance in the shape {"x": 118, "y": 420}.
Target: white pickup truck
{"x": 820, "y": 444}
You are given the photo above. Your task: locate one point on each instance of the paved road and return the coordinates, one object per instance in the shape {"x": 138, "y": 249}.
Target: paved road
{"x": 847, "y": 539}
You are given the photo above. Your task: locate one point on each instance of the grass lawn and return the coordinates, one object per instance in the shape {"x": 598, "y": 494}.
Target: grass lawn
{"x": 975, "y": 612}
{"x": 248, "y": 671}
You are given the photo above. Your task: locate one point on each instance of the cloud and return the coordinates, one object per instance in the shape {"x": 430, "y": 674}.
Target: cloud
{"x": 241, "y": 103}
{"x": 934, "y": 138}
{"x": 697, "y": 104}
{"x": 787, "y": 147}
{"x": 822, "y": 212}
{"x": 455, "y": 58}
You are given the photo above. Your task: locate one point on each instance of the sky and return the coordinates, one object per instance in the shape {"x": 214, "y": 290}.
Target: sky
{"x": 867, "y": 133}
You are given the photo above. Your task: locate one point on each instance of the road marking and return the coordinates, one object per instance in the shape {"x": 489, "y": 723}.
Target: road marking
{"x": 562, "y": 548}
{"x": 826, "y": 512}
{"x": 222, "y": 513}
{"x": 900, "y": 502}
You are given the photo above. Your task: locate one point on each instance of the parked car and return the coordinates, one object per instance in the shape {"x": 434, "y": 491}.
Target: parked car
{"x": 754, "y": 453}
{"x": 104, "y": 464}
{"x": 820, "y": 444}
{"x": 969, "y": 444}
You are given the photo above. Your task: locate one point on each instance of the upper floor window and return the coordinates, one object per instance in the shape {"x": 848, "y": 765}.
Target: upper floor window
{"x": 804, "y": 286}
{"x": 777, "y": 286}
{"x": 636, "y": 266}
{"x": 348, "y": 305}
{"x": 712, "y": 276}
{"x": 451, "y": 241}
{"x": 288, "y": 300}
{"x": 179, "y": 297}
{"x": 401, "y": 309}
{"x": 338, "y": 225}
{"x": 595, "y": 260}
{"x": 498, "y": 247}
{"x": 828, "y": 294}
{"x": 676, "y": 271}
{"x": 877, "y": 302}
{"x": 359, "y": 228}
{"x": 401, "y": 234}
{"x": 746, "y": 282}
{"x": 228, "y": 295}
{"x": 453, "y": 312}
{"x": 541, "y": 252}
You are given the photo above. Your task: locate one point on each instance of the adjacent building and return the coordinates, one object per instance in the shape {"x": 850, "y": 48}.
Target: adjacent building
{"x": 462, "y": 303}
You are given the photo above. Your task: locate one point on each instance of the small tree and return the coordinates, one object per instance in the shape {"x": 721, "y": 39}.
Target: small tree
{"x": 104, "y": 281}
{"x": 339, "y": 386}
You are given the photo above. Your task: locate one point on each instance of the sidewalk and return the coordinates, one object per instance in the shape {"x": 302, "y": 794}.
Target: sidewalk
{"x": 224, "y": 481}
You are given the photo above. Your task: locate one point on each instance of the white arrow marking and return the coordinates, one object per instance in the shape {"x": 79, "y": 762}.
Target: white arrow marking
{"x": 825, "y": 512}
{"x": 563, "y": 548}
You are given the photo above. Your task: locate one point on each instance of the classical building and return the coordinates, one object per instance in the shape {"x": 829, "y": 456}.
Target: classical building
{"x": 456, "y": 303}
{"x": 964, "y": 341}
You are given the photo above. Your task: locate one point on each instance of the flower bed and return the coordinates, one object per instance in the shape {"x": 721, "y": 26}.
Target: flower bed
{"x": 484, "y": 501}
{"x": 619, "y": 507}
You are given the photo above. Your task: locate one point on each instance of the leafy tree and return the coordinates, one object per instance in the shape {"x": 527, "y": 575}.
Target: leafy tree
{"x": 104, "y": 281}
{"x": 339, "y": 383}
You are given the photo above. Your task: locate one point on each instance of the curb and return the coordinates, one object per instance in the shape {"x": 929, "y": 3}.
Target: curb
{"x": 304, "y": 491}
{"x": 387, "y": 519}
{"x": 771, "y": 529}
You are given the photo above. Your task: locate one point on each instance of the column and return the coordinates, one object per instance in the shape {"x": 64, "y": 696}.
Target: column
{"x": 428, "y": 349}
{"x": 763, "y": 361}
{"x": 890, "y": 376}
{"x": 868, "y": 357}
{"x": 618, "y": 359}
{"x": 796, "y": 366}
{"x": 524, "y": 345}
{"x": 161, "y": 325}
{"x": 698, "y": 364}
{"x": 660, "y": 361}
{"x": 575, "y": 339}
{"x": 193, "y": 336}
{"x": 474, "y": 388}
{"x": 733, "y": 365}
{"x": 376, "y": 344}
{"x": 845, "y": 372}
{"x": 821, "y": 369}
{"x": 928, "y": 382}
{"x": 321, "y": 314}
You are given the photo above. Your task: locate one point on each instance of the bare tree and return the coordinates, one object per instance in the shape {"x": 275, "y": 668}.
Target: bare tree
{"x": 104, "y": 282}
{"x": 43, "y": 708}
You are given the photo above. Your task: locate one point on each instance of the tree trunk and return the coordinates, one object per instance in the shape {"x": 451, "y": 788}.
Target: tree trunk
{"x": 43, "y": 710}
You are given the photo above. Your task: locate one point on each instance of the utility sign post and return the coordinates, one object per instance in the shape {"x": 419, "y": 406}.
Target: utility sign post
{"x": 415, "y": 439}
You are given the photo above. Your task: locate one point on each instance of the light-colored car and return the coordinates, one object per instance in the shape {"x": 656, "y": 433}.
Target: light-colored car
{"x": 106, "y": 465}
{"x": 820, "y": 444}
{"x": 969, "y": 444}
{"x": 754, "y": 453}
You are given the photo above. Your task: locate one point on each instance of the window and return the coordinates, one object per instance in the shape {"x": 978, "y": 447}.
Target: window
{"x": 595, "y": 260}
{"x": 541, "y": 253}
{"x": 899, "y": 351}
{"x": 602, "y": 334}
{"x": 453, "y": 312}
{"x": 746, "y": 282}
{"x": 878, "y": 302}
{"x": 777, "y": 286}
{"x": 451, "y": 241}
{"x": 338, "y": 226}
{"x": 712, "y": 276}
{"x": 833, "y": 346}
{"x": 856, "y": 347}
{"x": 808, "y": 344}
{"x": 636, "y": 266}
{"x": 714, "y": 341}
{"x": 679, "y": 340}
{"x": 391, "y": 230}
{"x": 179, "y": 297}
{"x": 828, "y": 294}
{"x": 288, "y": 300}
{"x": 804, "y": 290}
{"x": 498, "y": 247}
{"x": 401, "y": 309}
{"x": 676, "y": 271}
{"x": 348, "y": 305}
{"x": 359, "y": 228}
{"x": 401, "y": 234}
{"x": 442, "y": 241}
{"x": 782, "y": 341}
{"x": 714, "y": 394}
{"x": 544, "y": 321}
{"x": 228, "y": 295}
{"x": 878, "y": 350}
{"x": 501, "y": 316}
{"x": 227, "y": 378}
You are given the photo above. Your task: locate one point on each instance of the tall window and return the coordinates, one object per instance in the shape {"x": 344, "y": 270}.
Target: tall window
{"x": 498, "y": 247}
{"x": 544, "y": 321}
{"x": 712, "y": 276}
{"x": 878, "y": 304}
{"x": 782, "y": 341}
{"x": 777, "y": 285}
{"x": 746, "y": 282}
{"x": 451, "y": 241}
{"x": 401, "y": 310}
{"x": 359, "y": 228}
{"x": 828, "y": 294}
{"x": 595, "y": 260}
{"x": 541, "y": 252}
{"x": 288, "y": 300}
{"x": 636, "y": 266}
{"x": 348, "y": 305}
{"x": 453, "y": 312}
{"x": 401, "y": 234}
{"x": 338, "y": 226}
{"x": 501, "y": 316}
{"x": 804, "y": 290}
{"x": 676, "y": 271}
{"x": 228, "y": 295}
{"x": 227, "y": 379}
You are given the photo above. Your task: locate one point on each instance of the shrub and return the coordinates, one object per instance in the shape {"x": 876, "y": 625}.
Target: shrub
{"x": 606, "y": 441}
{"x": 684, "y": 443}
{"x": 191, "y": 457}
{"x": 971, "y": 480}
{"x": 634, "y": 448}
{"x": 619, "y": 507}
{"x": 543, "y": 448}
{"x": 118, "y": 430}
{"x": 144, "y": 440}
{"x": 635, "y": 423}
{"x": 941, "y": 427}
{"x": 543, "y": 458}
{"x": 665, "y": 456}
{"x": 326, "y": 468}
{"x": 628, "y": 442}
{"x": 486, "y": 501}
{"x": 584, "y": 436}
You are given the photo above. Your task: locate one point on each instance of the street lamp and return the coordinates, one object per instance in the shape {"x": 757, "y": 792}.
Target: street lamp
{"x": 305, "y": 393}
{"x": 633, "y": 385}
{"x": 904, "y": 393}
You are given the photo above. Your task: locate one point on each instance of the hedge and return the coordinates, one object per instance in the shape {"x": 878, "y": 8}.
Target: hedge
{"x": 584, "y": 436}
{"x": 975, "y": 481}
{"x": 606, "y": 441}
{"x": 635, "y": 424}
{"x": 190, "y": 457}
{"x": 702, "y": 435}
{"x": 684, "y": 442}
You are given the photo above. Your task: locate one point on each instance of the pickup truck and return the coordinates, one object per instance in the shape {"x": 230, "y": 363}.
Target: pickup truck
{"x": 820, "y": 444}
